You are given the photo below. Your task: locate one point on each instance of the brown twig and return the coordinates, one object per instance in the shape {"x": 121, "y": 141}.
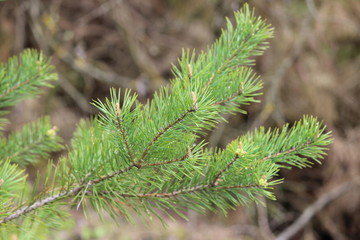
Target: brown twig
{"x": 85, "y": 185}
{"x": 40, "y": 203}
{"x": 314, "y": 208}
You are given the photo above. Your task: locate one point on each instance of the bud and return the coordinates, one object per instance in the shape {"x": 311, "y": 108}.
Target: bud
{"x": 240, "y": 151}
{"x": 52, "y": 132}
{"x": 262, "y": 181}
{"x": 189, "y": 71}
{"x": 14, "y": 237}
{"x": 118, "y": 110}
{"x": 194, "y": 100}
{"x": 242, "y": 87}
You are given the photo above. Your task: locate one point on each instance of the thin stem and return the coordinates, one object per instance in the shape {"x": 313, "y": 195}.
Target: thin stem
{"x": 238, "y": 186}
{"x": 12, "y": 89}
{"x": 167, "y": 162}
{"x": 61, "y": 195}
{"x": 169, "y": 194}
{"x": 287, "y": 152}
{"x": 237, "y": 52}
{"x": 217, "y": 177}
{"x": 107, "y": 177}
{"x": 38, "y": 204}
{"x": 27, "y": 148}
{"x": 232, "y": 97}
{"x": 163, "y": 131}
{"x": 79, "y": 188}
{"x": 181, "y": 191}
{"x": 124, "y": 136}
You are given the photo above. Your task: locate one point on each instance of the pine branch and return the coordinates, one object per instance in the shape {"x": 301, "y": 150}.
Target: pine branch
{"x": 164, "y": 130}
{"x": 74, "y": 191}
{"x": 186, "y": 156}
{"x": 57, "y": 197}
{"x": 198, "y": 188}
{"x": 21, "y": 77}
{"x": 149, "y": 157}
{"x": 294, "y": 149}
{"x": 217, "y": 177}
{"x": 214, "y": 183}
{"x": 66, "y": 194}
{"x": 232, "y": 97}
{"x": 35, "y": 140}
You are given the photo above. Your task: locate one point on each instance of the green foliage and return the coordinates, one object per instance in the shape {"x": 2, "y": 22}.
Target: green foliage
{"x": 35, "y": 140}
{"x": 150, "y": 158}
{"x": 21, "y": 77}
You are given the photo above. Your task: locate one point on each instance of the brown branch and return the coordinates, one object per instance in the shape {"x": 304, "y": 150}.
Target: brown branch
{"x": 38, "y": 204}
{"x": 24, "y": 210}
{"x": 163, "y": 131}
{"x": 65, "y": 194}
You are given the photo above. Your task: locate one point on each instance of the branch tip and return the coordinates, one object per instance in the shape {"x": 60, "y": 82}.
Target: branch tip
{"x": 240, "y": 150}
{"x": 118, "y": 110}
{"x": 263, "y": 181}
{"x": 52, "y": 132}
{"x": 190, "y": 71}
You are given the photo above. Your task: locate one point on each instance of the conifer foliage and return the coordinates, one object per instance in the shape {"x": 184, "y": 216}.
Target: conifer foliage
{"x": 147, "y": 159}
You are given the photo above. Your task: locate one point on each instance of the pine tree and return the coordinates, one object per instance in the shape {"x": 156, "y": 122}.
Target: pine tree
{"x": 147, "y": 159}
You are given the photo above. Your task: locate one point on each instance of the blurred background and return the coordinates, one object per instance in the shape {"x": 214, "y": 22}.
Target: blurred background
{"x": 312, "y": 67}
